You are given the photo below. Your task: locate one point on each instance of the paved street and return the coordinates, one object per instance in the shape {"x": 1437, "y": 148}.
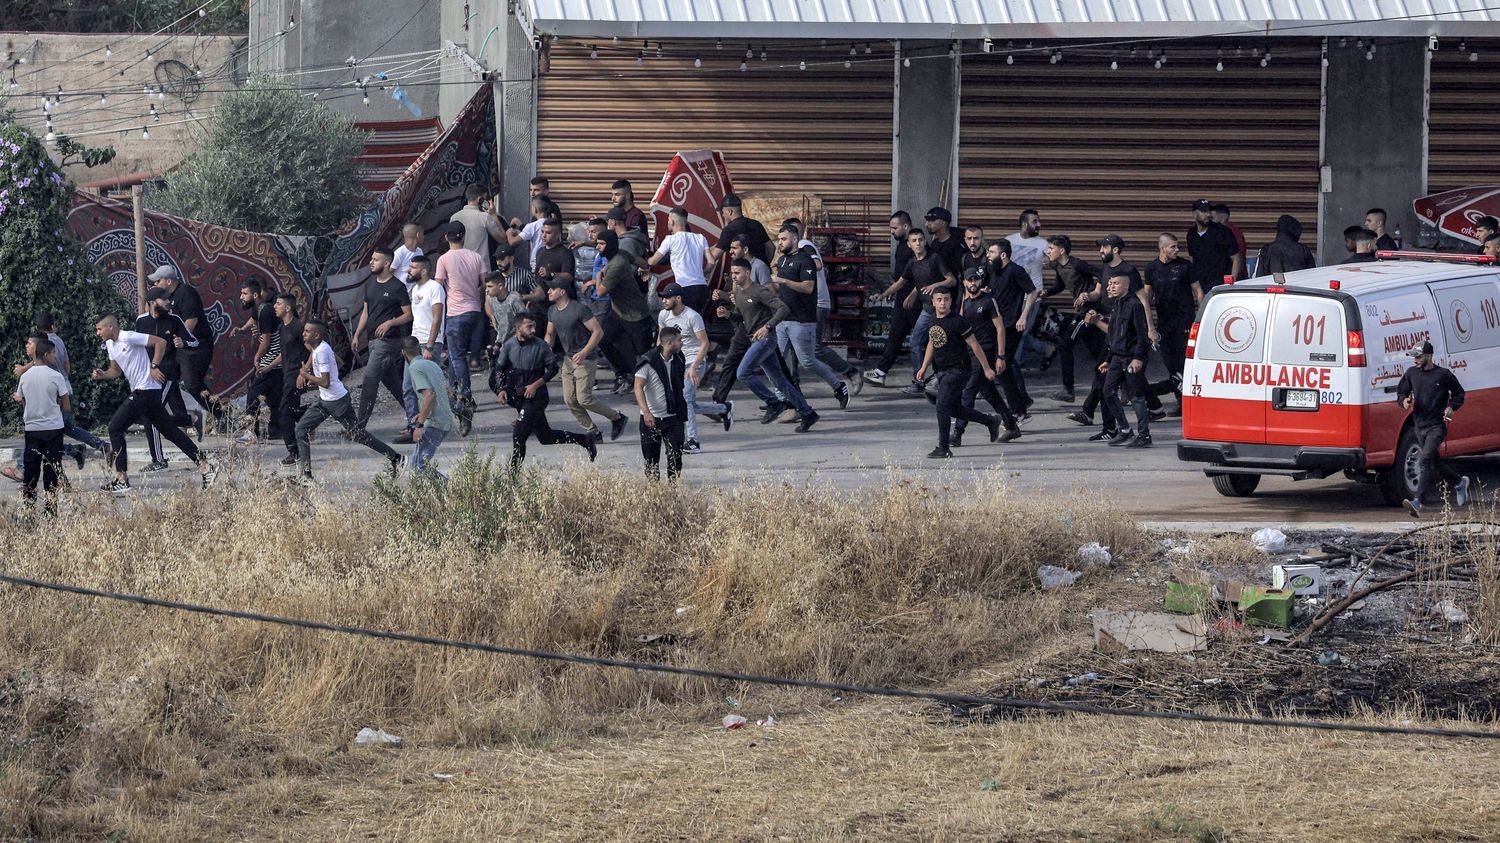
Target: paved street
{"x": 882, "y": 434}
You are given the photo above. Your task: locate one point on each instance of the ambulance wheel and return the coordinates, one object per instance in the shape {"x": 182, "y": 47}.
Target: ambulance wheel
{"x": 1236, "y": 485}
{"x": 1399, "y": 482}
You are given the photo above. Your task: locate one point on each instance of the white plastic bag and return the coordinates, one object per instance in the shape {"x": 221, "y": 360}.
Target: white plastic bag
{"x": 1269, "y": 540}
{"x": 1055, "y": 577}
{"x": 1094, "y": 553}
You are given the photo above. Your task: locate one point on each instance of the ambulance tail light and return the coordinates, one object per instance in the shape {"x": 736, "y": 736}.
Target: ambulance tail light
{"x": 1356, "y": 348}
{"x": 1192, "y": 344}
{"x": 1229, "y": 279}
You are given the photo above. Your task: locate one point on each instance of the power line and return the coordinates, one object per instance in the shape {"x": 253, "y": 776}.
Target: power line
{"x": 957, "y": 700}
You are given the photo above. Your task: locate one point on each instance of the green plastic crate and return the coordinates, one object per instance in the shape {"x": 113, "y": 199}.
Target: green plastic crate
{"x": 1264, "y": 606}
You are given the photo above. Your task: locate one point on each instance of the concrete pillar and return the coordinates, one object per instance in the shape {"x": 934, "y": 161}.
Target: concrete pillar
{"x": 926, "y": 129}
{"x": 515, "y": 108}
{"x": 1374, "y": 140}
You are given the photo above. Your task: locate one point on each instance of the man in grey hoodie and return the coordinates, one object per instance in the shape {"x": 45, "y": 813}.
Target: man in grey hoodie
{"x": 1284, "y": 254}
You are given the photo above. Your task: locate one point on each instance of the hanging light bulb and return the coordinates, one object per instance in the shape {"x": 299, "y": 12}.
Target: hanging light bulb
{"x": 108, "y": 51}
{"x": 697, "y": 62}
{"x": 291, "y": 22}
{"x": 145, "y": 133}
{"x": 869, "y": 49}
{"x": 1158, "y": 64}
{"x": 1114, "y": 65}
{"x": 50, "y": 138}
{"x": 202, "y": 11}
{"x": 1163, "y": 57}
{"x": 154, "y": 115}
{"x": 593, "y": 52}
{"x": 615, "y": 40}
{"x": 640, "y": 58}
{"x": 848, "y": 64}
{"x": 146, "y": 89}
{"x": 1474, "y": 56}
{"x": 1010, "y": 59}
{"x": 103, "y": 99}
{"x": 1054, "y": 57}
{"x": 1219, "y": 67}
{"x": 1264, "y": 60}
{"x": 744, "y": 65}
{"x": 658, "y": 49}
{"x": 1463, "y": 47}
{"x": 801, "y": 65}
{"x": 1325, "y": 57}
{"x": 749, "y": 52}
{"x": 906, "y": 62}
{"x": 852, "y": 51}
{"x": 719, "y": 44}
{"x": 1370, "y": 53}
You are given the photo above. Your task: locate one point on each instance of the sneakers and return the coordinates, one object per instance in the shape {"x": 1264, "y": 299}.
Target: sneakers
{"x": 78, "y": 457}
{"x": 1413, "y": 507}
{"x": 728, "y": 418}
{"x": 913, "y": 390}
{"x": 1081, "y": 417}
{"x": 994, "y": 425}
{"x": 198, "y": 425}
{"x": 617, "y": 427}
{"x": 875, "y": 376}
{"x": 788, "y": 416}
{"x": 1141, "y": 441}
{"x": 692, "y": 447}
{"x": 590, "y": 446}
{"x": 289, "y": 459}
{"x": 856, "y": 380}
{"x": 1122, "y": 438}
{"x": 394, "y": 464}
{"x": 403, "y": 438}
{"x": 247, "y": 438}
{"x": 939, "y": 453}
{"x": 1102, "y": 436}
{"x": 1023, "y": 419}
{"x": 465, "y": 423}
{"x": 1158, "y": 414}
{"x": 622, "y": 385}
{"x": 1461, "y": 492}
{"x": 156, "y": 465}
{"x": 842, "y": 394}
{"x": 116, "y": 486}
{"x": 1011, "y": 434}
{"x": 772, "y": 411}
{"x": 956, "y": 438}
{"x": 210, "y": 473}
{"x": 1063, "y": 395}
{"x": 11, "y": 474}
{"x": 807, "y": 422}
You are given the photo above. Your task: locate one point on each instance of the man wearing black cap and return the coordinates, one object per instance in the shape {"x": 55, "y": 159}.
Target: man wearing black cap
{"x": 736, "y": 224}
{"x": 159, "y": 321}
{"x": 1212, "y": 248}
{"x": 1433, "y": 395}
{"x": 990, "y": 331}
{"x": 945, "y": 244}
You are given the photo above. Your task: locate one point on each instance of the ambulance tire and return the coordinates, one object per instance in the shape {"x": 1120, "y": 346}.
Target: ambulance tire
{"x": 1399, "y": 482}
{"x": 1236, "y": 485}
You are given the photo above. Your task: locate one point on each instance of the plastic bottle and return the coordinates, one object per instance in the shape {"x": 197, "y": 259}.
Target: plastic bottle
{"x": 1084, "y": 679}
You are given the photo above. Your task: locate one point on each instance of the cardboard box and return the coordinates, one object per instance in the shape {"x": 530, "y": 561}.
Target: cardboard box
{"x": 1267, "y": 606}
{"x": 1304, "y": 580}
{"x": 1116, "y": 632}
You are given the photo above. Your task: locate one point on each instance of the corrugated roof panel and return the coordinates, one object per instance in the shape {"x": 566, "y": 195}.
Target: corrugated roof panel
{"x": 977, "y": 18}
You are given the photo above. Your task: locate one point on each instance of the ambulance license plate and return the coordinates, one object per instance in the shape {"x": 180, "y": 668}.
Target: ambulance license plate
{"x": 1301, "y": 399}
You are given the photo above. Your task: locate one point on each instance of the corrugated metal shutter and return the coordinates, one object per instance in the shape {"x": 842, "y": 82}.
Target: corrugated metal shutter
{"x": 824, "y": 131}
{"x": 1463, "y": 124}
{"x": 1100, "y": 151}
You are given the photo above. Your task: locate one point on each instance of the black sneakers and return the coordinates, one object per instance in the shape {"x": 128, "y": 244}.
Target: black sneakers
{"x": 807, "y": 422}
{"x": 842, "y": 394}
{"x": 728, "y": 413}
{"x": 617, "y": 427}
{"x": 994, "y": 425}
{"x": 939, "y": 453}
{"x": 1141, "y": 441}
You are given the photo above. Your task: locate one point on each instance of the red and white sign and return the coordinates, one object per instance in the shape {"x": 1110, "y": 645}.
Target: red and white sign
{"x": 1454, "y": 212}
{"x": 695, "y": 181}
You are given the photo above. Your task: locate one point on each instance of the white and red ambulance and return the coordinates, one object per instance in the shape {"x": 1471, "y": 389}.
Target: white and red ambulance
{"x": 1295, "y": 376}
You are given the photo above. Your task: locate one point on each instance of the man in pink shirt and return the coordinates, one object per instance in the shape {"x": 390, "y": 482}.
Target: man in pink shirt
{"x": 461, "y": 271}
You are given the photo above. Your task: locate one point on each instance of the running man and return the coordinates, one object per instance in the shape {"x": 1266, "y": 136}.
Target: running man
{"x": 322, "y": 371}
{"x": 1433, "y": 394}
{"x": 950, "y": 340}
{"x": 519, "y": 378}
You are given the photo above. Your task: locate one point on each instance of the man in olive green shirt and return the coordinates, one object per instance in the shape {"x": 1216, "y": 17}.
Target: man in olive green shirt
{"x": 628, "y": 326}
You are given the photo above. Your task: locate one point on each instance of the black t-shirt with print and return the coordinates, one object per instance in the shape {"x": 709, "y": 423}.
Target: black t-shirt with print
{"x": 797, "y": 266}
{"x": 385, "y": 301}
{"x": 981, "y": 313}
{"x": 947, "y": 339}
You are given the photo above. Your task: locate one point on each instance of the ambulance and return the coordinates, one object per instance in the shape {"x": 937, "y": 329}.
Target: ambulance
{"x": 1295, "y": 375}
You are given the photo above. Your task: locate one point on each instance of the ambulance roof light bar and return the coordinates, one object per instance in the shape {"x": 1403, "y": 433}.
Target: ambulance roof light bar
{"x": 1437, "y": 257}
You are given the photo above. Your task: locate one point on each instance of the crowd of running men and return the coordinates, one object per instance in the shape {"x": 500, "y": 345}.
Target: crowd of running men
{"x": 970, "y": 308}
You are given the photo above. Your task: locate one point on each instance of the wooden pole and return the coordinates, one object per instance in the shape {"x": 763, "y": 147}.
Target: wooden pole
{"x": 138, "y": 205}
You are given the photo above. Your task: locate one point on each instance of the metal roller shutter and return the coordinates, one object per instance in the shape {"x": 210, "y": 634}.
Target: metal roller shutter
{"x": 824, "y": 131}
{"x": 1463, "y": 125}
{"x": 1100, "y": 151}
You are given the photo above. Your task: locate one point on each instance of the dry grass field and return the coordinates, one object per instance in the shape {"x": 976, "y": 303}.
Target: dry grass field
{"x": 119, "y": 722}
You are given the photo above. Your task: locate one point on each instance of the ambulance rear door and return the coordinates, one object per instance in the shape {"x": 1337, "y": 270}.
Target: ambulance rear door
{"x": 1222, "y": 402}
{"x": 1306, "y": 384}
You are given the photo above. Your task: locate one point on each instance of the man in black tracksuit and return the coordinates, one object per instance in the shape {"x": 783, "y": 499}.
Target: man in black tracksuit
{"x": 293, "y": 356}
{"x": 990, "y": 331}
{"x": 950, "y": 342}
{"x": 159, "y": 321}
{"x": 1433, "y": 395}
{"x": 1127, "y": 342}
{"x": 519, "y": 376}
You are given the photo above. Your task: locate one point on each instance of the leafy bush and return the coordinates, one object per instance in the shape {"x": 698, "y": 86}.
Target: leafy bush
{"x": 273, "y": 161}
{"x": 43, "y": 267}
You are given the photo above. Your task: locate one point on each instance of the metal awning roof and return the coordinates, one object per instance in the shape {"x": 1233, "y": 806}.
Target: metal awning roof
{"x": 974, "y": 19}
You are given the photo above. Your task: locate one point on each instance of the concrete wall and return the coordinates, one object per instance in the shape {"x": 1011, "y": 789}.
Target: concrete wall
{"x": 1375, "y": 139}
{"x": 926, "y": 124}
{"x": 330, "y": 31}
{"x": 78, "y": 63}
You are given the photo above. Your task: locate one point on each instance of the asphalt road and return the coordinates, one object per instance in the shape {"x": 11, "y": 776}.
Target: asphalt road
{"x": 882, "y": 435}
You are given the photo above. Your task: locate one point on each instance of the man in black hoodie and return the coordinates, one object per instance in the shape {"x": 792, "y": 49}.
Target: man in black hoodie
{"x": 522, "y": 367}
{"x": 1285, "y": 254}
{"x": 1127, "y": 344}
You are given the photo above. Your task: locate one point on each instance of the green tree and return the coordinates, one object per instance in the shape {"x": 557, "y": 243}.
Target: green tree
{"x": 274, "y": 161}
{"x": 43, "y": 267}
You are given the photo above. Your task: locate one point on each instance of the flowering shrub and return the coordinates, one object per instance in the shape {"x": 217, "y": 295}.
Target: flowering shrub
{"x": 42, "y": 267}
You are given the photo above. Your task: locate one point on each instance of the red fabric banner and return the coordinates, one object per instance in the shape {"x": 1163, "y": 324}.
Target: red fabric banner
{"x": 696, "y": 182}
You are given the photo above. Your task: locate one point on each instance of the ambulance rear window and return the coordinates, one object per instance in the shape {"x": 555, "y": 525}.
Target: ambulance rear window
{"x": 1308, "y": 331}
{"x": 1233, "y": 327}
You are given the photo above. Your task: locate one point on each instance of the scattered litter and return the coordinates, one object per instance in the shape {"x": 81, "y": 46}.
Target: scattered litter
{"x": 443, "y": 777}
{"x": 733, "y": 721}
{"x": 1190, "y": 657}
{"x": 1095, "y": 553}
{"x": 682, "y": 610}
{"x": 1329, "y": 658}
{"x": 989, "y": 784}
{"x": 1035, "y": 682}
{"x": 1212, "y": 681}
{"x": 1188, "y": 592}
{"x": 1085, "y": 679}
{"x": 766, "y": 722}
{"x": 1451, "y": 612}
{"x": 733, "y": 703}
{"x": 1055, "y": 577}
{"x": 1303, "y": 580}
{"x": 1269, "y": 635}
{"x": 1182, "y": 550}
{"x": 1266, "y": 606}
{"x": 376, "y": 737}
{"x": 1269, "y": 540}
{"x": 1155, "y": 631}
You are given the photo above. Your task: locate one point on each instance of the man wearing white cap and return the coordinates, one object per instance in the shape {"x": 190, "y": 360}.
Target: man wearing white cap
{"x": 188, "y": 305}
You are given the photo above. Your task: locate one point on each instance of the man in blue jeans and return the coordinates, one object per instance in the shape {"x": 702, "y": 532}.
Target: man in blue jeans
{"x": 795, "y": 279}
{"x": 761, "y": 311}
{"x": 433, "y": 420}
{"x": 462, "y": 272}
{"x": 70, "y": 427}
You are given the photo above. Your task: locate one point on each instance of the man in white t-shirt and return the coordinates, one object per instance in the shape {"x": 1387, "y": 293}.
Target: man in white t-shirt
{"x": 411, "y": 247}
{"x": 43, "y": 393}
{"x": 687, "y": 252}
{"x": 530, "y": 235}
{"x": 322, "y": 371}
{"x": 1028, "y": 250}
{"x": 137, "y": 358}
{"x": 676, "y": 313}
